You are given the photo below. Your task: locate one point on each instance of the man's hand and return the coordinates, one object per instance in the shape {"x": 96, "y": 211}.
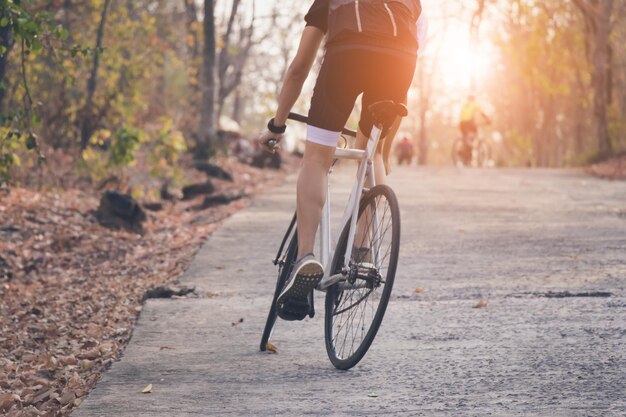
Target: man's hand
{"x": 270, "y": 141}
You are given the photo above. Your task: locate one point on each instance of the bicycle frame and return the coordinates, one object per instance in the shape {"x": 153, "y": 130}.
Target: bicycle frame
{"x": 351, "y": 212}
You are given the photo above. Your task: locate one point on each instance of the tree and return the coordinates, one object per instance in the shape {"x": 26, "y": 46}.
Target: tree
{"x": 233, "y": 55}
{"x": 598, "y": 18}
{"x": 206, "y": 131}
{"x": 88, "y": 124}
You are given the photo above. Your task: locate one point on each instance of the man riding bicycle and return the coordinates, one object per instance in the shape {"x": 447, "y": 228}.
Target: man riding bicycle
{"x": 371, "y": 48}
{"x": 468, "y": 125}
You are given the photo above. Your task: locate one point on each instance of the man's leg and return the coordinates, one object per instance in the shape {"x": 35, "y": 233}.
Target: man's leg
{"x": 379, "y": 166}
{"x": 362, "y": 238}
{"x": 311, "y": 193}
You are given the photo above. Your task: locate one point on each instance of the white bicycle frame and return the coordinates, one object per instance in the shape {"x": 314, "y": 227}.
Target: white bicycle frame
{"x": 351, "y": 212}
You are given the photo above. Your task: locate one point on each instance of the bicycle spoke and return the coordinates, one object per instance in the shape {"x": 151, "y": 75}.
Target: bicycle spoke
{"x": 356, "y": 306}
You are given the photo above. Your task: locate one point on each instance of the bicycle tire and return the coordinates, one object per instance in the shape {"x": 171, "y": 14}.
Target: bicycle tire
{"x": 482, "y": 153}
{"x": 287, "y": 263}
{"x": 338, "y": 300}
{"x": 457, "y": 150}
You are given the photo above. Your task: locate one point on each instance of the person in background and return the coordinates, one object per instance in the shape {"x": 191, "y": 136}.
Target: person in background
{"x": 404, "y": 151}
{"x": 468, "y": 124}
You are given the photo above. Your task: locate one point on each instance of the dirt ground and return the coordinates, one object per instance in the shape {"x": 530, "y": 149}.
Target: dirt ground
{"x": 613, "y": 169}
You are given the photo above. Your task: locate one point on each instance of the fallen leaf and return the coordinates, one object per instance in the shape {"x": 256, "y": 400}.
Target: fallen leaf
{"x": 7, "y": 401}
{"x": 419, "y": 290}
{"x": 147, "y": 390}
{"x": 372, "y": 395}
{"x": 271, "y": 348}
{"x": 481, "y": 304}
{"x": 66, "y": 398}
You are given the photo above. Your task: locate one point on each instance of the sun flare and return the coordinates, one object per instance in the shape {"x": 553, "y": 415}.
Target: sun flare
{"x": 463, "y": 64}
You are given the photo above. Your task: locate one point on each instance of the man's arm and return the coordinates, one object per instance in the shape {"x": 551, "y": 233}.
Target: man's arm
{"x": 298, "y": 72}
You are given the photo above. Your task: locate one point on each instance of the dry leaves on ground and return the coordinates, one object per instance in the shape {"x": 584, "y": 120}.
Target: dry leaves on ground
{"x": 71, "y": 290}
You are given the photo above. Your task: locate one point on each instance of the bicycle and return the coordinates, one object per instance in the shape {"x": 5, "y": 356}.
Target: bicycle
{"x": 471, "y": 150}
{"x": 360, "y": 271}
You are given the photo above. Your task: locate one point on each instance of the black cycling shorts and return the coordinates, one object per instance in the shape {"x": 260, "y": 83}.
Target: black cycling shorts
{"x": 344, "y": 75}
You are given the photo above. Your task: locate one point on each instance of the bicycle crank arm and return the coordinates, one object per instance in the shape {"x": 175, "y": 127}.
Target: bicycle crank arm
{"x": 331, "y": 280}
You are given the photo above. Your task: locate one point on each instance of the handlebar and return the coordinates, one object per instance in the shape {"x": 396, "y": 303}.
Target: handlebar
{"x": 304, "y": 119}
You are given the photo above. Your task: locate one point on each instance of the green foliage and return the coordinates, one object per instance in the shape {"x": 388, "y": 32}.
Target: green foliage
{"x": 111, "y": 154}
{"x": 166, "y": 151}
{"x": 124, "y": 145}
{"x": 17, "y": 127}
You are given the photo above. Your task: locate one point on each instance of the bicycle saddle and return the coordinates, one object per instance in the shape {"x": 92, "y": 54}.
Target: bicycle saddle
{"x": 384, "y": 112}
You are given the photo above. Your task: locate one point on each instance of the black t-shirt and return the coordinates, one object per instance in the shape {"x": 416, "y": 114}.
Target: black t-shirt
{"x": 317, "y": 16}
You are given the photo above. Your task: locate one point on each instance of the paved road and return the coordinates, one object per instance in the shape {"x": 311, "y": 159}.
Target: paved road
{"x": 540, "y": 246}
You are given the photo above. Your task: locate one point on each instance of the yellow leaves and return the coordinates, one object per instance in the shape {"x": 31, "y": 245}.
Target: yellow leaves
{"x": 147, "y": 390}
{"x": 270, "y": 347}
{"x": 419, "y": 290}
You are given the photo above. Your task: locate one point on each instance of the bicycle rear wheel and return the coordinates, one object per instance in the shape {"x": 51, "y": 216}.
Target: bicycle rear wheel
{"x": 483, "y": 153}
{"x": 285, "y": 266}
{"x": 458, "y": 147}
{"x": 355, "y": 307}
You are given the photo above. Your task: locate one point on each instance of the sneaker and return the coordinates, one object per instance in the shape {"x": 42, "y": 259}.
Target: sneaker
{"x": 306, "y": 274}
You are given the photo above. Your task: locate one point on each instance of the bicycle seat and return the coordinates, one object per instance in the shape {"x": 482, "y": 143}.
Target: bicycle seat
{"x": 384, "y": 112}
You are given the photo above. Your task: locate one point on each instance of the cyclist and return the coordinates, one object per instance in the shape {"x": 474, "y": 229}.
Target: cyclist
{"x": 404, "y": 151}
{"x": 371, "y": 48}
{"x": 468, "y": 125}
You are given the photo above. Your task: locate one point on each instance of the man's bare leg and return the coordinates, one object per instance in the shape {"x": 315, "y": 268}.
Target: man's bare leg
{"x": 311, "y": 194}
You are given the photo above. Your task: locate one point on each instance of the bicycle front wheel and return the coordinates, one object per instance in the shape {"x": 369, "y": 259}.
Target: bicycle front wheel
{"x": 355, "y": 306}
{"x": 458, "y": 147}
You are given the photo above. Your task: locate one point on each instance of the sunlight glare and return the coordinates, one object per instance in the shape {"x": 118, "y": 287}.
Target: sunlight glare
{"x": 462, "y": 62}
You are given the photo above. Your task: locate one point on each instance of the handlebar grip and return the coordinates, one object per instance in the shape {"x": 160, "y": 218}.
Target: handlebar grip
{"x": 304, "y": 119}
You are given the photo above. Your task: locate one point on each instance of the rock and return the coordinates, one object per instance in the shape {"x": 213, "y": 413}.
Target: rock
{"x": 152, "y": 206}
{"x": 169, "y": 292}
{"x": 165, "y": 192}
{"x": 213, "y": 170}
{"x": 195, "y": 190}
{"x": 120, "y": 211}
{"x": 267, "y": 160}
{"x": 218, "y": 200}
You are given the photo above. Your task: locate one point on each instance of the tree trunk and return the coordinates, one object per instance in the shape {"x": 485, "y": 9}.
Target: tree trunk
{"x": 422, "y": 144}
{"x": 600, "y": 77}
{"x": 206, "y": 131}
{"x": 192, "y": 18}
{"x": 6, "y": 40}
{"x": 87, "y": 123}
{"x": 598, "y": 21}
{"x": 237, "y": 107}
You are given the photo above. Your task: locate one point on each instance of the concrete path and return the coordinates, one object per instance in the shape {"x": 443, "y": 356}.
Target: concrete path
{"x": 546, "y": 249}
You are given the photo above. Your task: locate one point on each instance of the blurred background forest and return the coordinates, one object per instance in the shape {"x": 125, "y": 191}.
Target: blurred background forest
{"x": 93, "y": 86}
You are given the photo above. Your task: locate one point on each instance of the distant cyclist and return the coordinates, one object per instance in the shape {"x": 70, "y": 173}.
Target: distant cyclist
{"x": 470, "y": 113}
{"x": 404, "y": 151}
{"x": 371, "y": 48}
